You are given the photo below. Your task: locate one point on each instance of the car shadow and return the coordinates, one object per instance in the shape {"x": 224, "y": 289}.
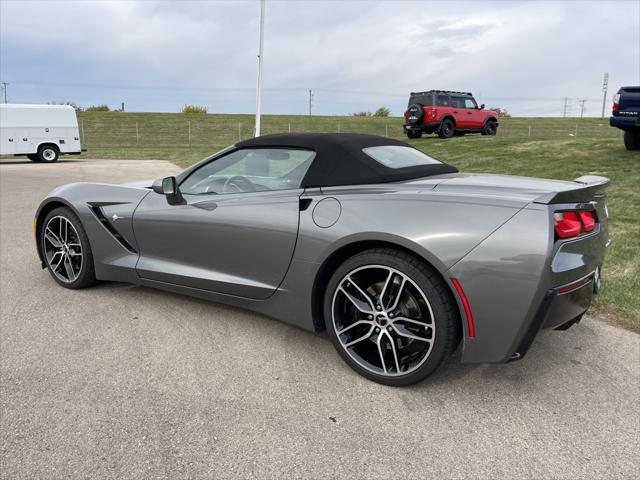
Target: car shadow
{"x": 27, "y": 161}
{"x": 550, "y": 354}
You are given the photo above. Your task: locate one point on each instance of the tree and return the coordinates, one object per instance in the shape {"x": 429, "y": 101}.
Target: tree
{"x": 502, "y": 112}
{"x": 71, "y": 104}
{"x": 361, "y": 114}
{"x": 382, "y": 112}
{"x": 97, "y": 108}
{"x": 194, "y": 109}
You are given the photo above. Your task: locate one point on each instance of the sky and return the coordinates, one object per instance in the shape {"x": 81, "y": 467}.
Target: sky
{"x": 355, "y": 55}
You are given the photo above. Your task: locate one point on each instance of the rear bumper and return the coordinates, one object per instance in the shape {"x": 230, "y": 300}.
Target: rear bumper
{"x": 560, "y": 308}
{"x": 625, "y": 123}
{"x": 424, "y": 127}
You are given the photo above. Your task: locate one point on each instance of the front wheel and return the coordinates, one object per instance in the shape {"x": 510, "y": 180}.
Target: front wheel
{"x": 65, "y": 248}
{"x": 631, "y": 140}
{"x": 490, "y": 128}
{"x": 390, "y": 316}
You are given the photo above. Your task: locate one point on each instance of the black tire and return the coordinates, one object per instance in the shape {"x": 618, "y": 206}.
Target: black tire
{"x": 631, "y": 140}
{"x": 48, "y": 153}
{"x": 33, "y": 157}
{"x": 490, "y": 128}
{"x": 415, "y": 114}
{"x": 447, "y": 128}
{"x": 86, "y": 276}
{"x": 443, "y": 313}
{"x": 414, "y": 134}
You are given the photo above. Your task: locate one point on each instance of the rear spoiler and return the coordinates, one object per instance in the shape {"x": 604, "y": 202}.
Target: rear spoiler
{"x": 588, "y": 187}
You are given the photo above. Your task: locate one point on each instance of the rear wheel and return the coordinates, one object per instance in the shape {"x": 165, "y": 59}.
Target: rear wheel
{"x": 390, "y": 316}
{"x": 48, "y": 153}
{"x": 490, "y": 128}
{"x": 33, "y": 157}
{"x": 447, "y": 128}
{"x": 631, "y": 140}
{"x": 65, "y": 248}
{"x": 414, "y": 134}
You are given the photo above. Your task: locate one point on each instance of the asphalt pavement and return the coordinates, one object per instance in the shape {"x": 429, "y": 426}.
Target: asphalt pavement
{"x": 119, "y": 381}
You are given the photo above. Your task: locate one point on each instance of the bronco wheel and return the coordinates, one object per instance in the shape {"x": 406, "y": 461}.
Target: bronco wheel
{"x": 390, "y": 316}
{"x": 48, "y": 153}
{"x": 447, "y": 128}
{"x": 490, "y": 128}
{"x": 65, "y": 248}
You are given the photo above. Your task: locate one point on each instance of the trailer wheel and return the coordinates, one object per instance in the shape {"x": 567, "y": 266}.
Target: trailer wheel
{"x": 48, "y": 153}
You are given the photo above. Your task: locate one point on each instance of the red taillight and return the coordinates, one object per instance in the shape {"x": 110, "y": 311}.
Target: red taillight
{"x": 616, "y": 102}
{"x": 572, "y": 224}
{"x": 587, "y": 219}
{"x": 566, "y": 224}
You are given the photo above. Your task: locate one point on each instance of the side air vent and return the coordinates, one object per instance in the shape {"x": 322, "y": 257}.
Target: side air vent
{"x": 99, "y": 214}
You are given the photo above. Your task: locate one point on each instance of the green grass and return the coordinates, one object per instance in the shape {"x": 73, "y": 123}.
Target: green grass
{"x": 540, "y": 147}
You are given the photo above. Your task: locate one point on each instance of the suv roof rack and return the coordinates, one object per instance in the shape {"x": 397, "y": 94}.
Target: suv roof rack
{"x": 442, "y": 91}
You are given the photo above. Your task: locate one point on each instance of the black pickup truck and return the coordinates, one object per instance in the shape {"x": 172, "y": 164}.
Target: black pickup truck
{"x": 626, "y": 115}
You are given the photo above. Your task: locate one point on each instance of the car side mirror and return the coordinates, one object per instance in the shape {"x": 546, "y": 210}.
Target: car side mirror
{"x": 482, "y": 107}
{"x": 167, "y": 186}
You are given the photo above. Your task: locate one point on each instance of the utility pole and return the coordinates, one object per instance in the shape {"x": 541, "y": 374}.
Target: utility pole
{"x": 582, "y": 106}
{"x": 605, "y": 86}
{"x": 259, "y": 80}
{"x": 564, "y": 107}
{"x": 4, "y": 89}
{"x": 310, "y": 101}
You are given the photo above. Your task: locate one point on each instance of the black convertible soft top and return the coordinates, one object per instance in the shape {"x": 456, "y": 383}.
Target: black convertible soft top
{"x": 340, "y": 160}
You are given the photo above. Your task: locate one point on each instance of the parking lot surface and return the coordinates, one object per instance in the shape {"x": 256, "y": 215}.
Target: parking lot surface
{"x": 119, "y": 381}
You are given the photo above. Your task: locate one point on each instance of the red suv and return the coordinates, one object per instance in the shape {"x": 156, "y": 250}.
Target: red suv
{"x": 447, "y": 113}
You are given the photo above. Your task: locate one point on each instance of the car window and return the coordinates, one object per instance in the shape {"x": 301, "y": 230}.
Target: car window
{"x": 424, "y": 100}
{"x": 442, "y": 101}
{"x": 397, "y": 156}
{"x": 457, "y": 102}
{"x": 250, "y": 170}
{"x": 470, "y": 103}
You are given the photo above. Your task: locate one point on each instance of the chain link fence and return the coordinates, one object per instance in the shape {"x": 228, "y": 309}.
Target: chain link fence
{"x": 116, "y": 129}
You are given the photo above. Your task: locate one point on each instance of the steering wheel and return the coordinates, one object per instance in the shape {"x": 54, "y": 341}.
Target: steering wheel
{"x": 240, "y": 183}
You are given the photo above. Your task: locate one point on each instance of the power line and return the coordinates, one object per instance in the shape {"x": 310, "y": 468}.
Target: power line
{"x": 564, "y": 107}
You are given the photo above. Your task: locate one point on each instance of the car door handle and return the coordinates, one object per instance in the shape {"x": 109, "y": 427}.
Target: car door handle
{"x": 469, "y": 113}
{"x": 208, "y": 205}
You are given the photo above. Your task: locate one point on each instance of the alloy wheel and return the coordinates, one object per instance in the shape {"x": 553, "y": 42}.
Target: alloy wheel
{"x": 62, "y": 249}
{"x": 383, "y": 320}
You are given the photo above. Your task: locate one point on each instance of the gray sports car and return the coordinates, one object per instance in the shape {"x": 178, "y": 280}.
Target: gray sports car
{"x": 396, "y": 254}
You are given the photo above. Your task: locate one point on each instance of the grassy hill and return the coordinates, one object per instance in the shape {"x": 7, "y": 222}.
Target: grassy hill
{"x": 185, "y": 138}
{"x": 562, "y": 148}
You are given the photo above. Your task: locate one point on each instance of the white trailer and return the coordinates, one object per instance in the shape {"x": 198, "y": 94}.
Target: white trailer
{"x": 40, "y": 132}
